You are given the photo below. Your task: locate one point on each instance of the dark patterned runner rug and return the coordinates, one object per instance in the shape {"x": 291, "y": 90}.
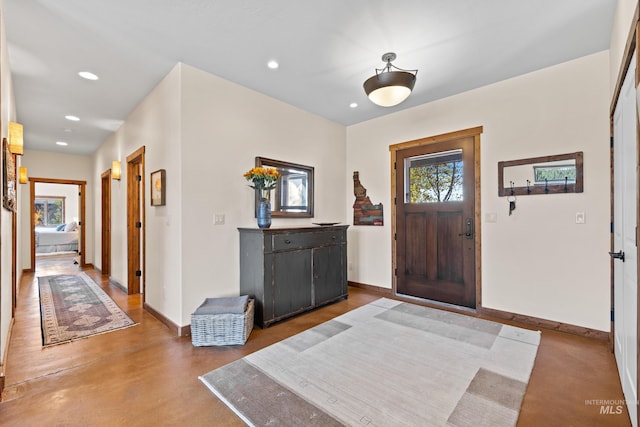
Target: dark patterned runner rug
{"x": 73, "y": 306}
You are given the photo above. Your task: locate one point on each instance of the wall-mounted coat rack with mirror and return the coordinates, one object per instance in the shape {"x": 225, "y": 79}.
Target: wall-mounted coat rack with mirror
{"x": 293, "y": 195}
{"x": 561, "y": 173}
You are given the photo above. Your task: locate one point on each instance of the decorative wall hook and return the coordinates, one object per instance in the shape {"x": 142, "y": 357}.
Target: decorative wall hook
{"x": 512, "y": 204}
{"x": 512, "y": 190}
{"x": 528, "y": 187}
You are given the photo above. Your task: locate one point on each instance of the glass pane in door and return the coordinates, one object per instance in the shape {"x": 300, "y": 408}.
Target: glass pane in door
{"x": 434, "y": 178}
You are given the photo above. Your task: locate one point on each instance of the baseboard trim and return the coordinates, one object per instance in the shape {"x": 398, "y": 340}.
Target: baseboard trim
{"x": 118, "y": 285}
{"x": 546, "y": 324}
{"x": 5, "y": 356}
{"x": 181, "y": 331}
{"x": 496, "y": 314}
{"x": 371, "y": 288}
{"x": 184, "y": 331}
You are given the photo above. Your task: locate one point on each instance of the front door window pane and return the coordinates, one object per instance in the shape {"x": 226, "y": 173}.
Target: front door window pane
{"x": 434, "y": 178}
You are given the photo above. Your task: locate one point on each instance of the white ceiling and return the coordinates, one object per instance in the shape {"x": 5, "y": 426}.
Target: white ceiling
{"x": 326, "y": 50}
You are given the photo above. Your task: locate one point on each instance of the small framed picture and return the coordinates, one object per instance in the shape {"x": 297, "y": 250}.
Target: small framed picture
{"x": 158, "y": 184}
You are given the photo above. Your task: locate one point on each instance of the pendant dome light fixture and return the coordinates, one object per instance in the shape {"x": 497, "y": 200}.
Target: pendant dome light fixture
{"x": 391, "y": 85}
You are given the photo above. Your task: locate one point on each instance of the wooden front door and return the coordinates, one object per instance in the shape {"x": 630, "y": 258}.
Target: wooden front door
{"x": 435, "y": 221}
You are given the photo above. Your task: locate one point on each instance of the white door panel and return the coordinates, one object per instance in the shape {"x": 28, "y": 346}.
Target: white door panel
{"x": 624, "y": 242}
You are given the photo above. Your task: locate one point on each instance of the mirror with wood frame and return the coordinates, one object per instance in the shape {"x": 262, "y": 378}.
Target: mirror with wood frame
{"x": 293, "y": 195}
{"x": 560, "y": 173}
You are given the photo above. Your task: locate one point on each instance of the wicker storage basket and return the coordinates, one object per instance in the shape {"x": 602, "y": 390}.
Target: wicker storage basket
{"x": 222, "y": 329}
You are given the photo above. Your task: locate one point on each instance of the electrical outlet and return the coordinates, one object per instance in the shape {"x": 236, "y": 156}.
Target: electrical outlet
{"x": 218, "y": 219}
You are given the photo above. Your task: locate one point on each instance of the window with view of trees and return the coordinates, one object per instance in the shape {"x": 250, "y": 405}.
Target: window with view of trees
{"x": 554, "y": 174}
{"x": 434, "y": 178}
{"x": 49, "y": 211}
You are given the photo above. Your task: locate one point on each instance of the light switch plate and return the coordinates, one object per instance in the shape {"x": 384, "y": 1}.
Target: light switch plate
{"x": 218, "y": 219}
{"x": 580, "y": 219}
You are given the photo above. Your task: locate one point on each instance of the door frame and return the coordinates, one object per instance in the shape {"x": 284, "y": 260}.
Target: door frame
{"x": 136, "y": 252}
{"x": 105, "y": 257}
{"x": 83, "y": 224}
{"x": 471, "y": 132}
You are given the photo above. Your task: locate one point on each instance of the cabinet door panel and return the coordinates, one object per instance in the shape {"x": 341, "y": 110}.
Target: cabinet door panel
{"x": 291, "y": 281}
{"x": 329, "y": 273}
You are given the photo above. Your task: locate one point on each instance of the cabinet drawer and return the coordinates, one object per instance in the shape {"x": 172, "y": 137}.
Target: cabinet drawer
{"x": 306, "y": 240}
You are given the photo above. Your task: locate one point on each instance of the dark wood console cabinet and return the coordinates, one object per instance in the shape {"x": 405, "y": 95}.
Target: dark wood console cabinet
{"x": 292, "y": 270}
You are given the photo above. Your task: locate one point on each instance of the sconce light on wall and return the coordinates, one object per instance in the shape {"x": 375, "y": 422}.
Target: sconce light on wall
{"x": 116, "y": 172}
{"x": 22, "y": 175}
{"x": 16, "y": 139}
{"x": 390, "y": 87}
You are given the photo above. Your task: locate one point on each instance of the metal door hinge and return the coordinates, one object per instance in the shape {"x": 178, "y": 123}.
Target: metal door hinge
{"x": 138, "y": 273}
{"x": 138, "y": 224}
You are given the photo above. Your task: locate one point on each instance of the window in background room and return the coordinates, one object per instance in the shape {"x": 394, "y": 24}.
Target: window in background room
{"x": 49, "y": 211}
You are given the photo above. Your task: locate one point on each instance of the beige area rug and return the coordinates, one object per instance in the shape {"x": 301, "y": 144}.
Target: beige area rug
{"x": 384, "y": 364}
{"x": 73, "y": 306}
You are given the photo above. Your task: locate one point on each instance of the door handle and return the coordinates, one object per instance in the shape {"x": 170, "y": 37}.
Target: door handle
{"x": 469, "y": 229}
{"x": 617, "y": 255}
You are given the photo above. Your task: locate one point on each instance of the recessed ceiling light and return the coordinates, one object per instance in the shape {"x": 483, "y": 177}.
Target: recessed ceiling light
{"x": 64, "y": 144}
{"x": 353, "y": 105}
{"x": 72, "y": 118}
{"x": 273, "y": 64}
{"x": 88, "y": 75}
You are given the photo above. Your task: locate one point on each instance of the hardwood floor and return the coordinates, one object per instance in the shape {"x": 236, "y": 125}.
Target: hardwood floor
{"x": 145, "y": 375}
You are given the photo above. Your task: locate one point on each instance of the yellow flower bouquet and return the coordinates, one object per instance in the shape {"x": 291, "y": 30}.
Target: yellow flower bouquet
{"x": 262, "y": 178}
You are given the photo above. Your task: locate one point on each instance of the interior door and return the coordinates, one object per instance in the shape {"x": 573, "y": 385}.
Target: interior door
{"x": 105, "y": 260}
{"x": 624, "y": 240}
{"x": 435, "y": 222}
{"x": 135, "y": 224}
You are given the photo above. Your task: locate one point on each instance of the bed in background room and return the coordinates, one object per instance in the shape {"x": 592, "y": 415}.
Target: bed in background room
{"x": 63, "y": 238}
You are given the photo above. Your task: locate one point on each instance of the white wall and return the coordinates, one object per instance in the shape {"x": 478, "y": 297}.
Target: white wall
{"x": 155, "y": 125}
{"x": 206, "y": 132}
{"x": 622, "y": 25}
{"x": 537, "y": 262}
{"x": 52, "y": 165}
{"x": 7, "y": 113}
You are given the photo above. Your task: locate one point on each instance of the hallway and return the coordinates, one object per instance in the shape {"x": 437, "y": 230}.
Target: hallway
{"x": 145, "y": 375}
